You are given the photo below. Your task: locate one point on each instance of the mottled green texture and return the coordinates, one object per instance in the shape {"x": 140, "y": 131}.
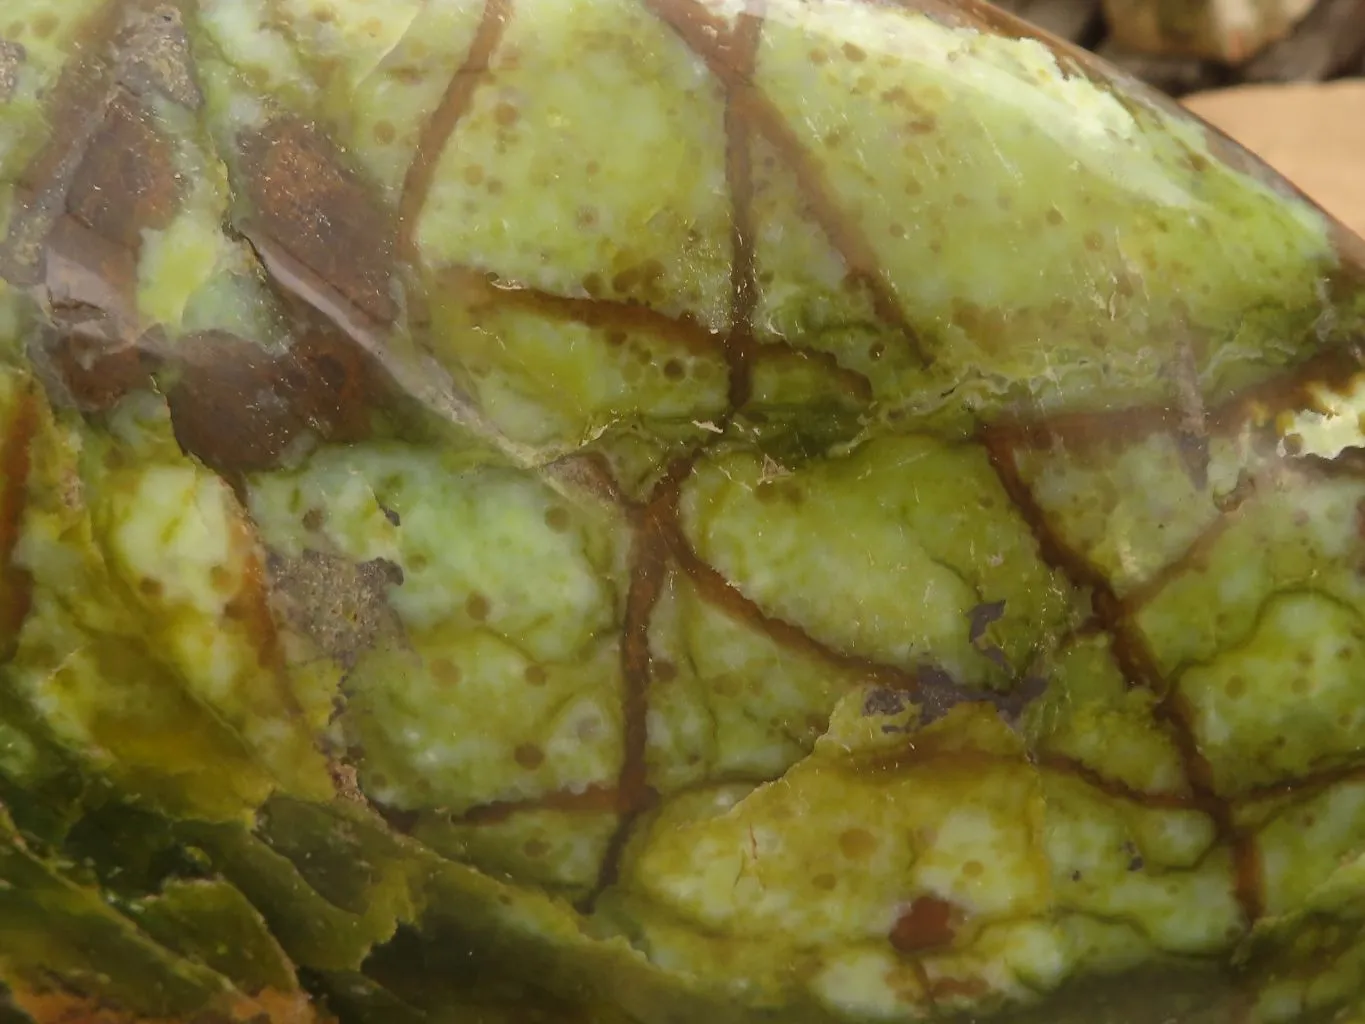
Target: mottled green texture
{"x": 663, "y": 512}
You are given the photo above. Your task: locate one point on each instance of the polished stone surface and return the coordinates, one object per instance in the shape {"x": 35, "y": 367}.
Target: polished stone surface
{"x": 664, "y": 511}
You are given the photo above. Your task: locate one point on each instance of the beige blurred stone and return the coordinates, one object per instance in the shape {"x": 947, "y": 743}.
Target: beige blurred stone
{"x": 1231, "y": 31}
{"x": 1312, "y": 134}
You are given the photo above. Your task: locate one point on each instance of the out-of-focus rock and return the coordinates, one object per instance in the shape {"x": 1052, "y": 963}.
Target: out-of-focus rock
{"x": 1230, "y": 31}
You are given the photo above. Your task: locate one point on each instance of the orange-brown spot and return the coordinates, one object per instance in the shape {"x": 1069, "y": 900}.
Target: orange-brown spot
{"x": 473, "y": 175}
{"x": 926, "y": 924}
{"x": 973, "y": 868}
{"x": 45, "y": 24}
{"x": 857, "y": 843}
{"x": 1093, "y": 241}
{"x": 824, "y": 881}
{"x": 506, "y": 114}
{"x": 529, "y": 756}
{"x": 535, "y": 848}
{"x": 557, "y": 518}
{"x": 444, "y": 670}
{"x": 854, "y": 52}
{"x": 535, "y": 675}
{"x": 1054, "y": 216}
{"x": 665, "y": 671}
{"x": 385, "y": 132}
{"x": 220, "y": 577}
{"x": 476, "y": 607}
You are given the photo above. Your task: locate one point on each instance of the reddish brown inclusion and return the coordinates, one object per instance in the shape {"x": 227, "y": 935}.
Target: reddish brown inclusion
{"x": 926, "y": 924}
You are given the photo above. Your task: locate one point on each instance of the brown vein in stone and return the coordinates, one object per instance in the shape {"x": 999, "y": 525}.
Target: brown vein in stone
{"x": 1115, "y": 788}
{"x": 1137, "y": 665}
{"x": 713, "y": 43}
{"x": 716, "y": 590}
{"x": 649, "y": 571}
{"x": 739, "y": 176}
{"x": 439, "y": 127}
{"x": 592, "y": 799}
{"x": 16, "y": 585}
{"x": 1292, "y": 391}
{"x": 1196, "y": 553}
{"x": 605, "y": 314}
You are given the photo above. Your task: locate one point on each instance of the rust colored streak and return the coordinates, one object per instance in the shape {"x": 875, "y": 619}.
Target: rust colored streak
{"x": 1194, "y": 556}
{"x": 1130, "y": 649}
{"x": 599, "y": 799}
{"x": 716, "y": 590}
{"x": 1135, "y": 662}
{"x": 646, "y": 585}
{"x": 926, "y": 924}
{"x": 846, "y": 237}
{"x": 1114, "y": 788}
{"x": 851, "y": 382}
{"x": 709, "y": 38}
{"x": 739, "y": 177}
{"x": 15, "y": 583}
{"x": 438, "y": 129}
{"x": 1084, "y": 431}
{"x": 1249, "y": 878}
{"x": 250, "y": 606}
{"x": 649, "y": 570}
{"x": 479, "y": 291}
{"x": 1292, "y": 391}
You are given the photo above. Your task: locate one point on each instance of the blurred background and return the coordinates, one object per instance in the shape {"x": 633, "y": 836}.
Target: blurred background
{"x": 1286, "y": 78}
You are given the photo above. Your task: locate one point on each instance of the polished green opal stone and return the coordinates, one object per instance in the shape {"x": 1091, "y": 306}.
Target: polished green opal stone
{"x": 664, "y": 512}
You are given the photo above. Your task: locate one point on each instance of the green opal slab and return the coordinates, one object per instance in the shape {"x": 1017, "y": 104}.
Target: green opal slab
{"x": 664, "y": 512}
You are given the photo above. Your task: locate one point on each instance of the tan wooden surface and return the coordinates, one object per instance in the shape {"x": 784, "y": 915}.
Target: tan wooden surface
{"x": 1312, "y": 134}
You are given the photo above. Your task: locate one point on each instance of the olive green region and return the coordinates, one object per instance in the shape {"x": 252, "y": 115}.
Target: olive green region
{"x": 662, "y": 512}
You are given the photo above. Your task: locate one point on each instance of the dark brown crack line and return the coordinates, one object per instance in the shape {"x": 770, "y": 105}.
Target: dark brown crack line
{"x": 479, "y": 289}
{"x": 719, "y": 592}
{"x": 440, "y": 126}
{"x": 602, "y": 799}
{"x": 16, "y": 585}
{"x": 1111, "y": 787}
{"x": 649, "y": 572}
{"x": 710, "y": 39}
{"x": 739, "y": 177}
{"x": 1087, "y": 430}
{"x": 1137, "y": 665}
{"x": 1196, "y": 553}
